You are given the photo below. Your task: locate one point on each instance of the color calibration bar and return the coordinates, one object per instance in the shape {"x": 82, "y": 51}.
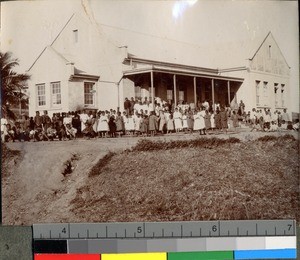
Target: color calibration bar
{"x": 209, "y": 248}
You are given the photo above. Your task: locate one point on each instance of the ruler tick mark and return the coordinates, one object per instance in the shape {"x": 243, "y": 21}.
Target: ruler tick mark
{"x": 153, "y": 234}
{"x": 200, "y": 232}
{"x": 275, "y": 231}
{"x": 106, "y": 232}
{"x": 238, "y": 231}
{"x": 87, "y": 233}
{"x": 209, "y": 233}
{"x": 172, "y": 234}
{"x": 163, "y": 232}
{"x": 69, "y": 230}
{"x": 256, "y": 229}
{"x": 181, "y": 229}
{"x": 50, "y": 233}
{"x": 97, "y": 235}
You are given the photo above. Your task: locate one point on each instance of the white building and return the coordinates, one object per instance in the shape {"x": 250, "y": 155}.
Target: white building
{"x": 96, "y": 67}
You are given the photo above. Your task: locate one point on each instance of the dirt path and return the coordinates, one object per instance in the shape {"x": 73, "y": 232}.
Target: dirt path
{"x": 37, "y": 191}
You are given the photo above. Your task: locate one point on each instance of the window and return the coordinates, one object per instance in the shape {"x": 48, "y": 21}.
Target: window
{"x": 265, "y": 89}
{"x": 89, "y": 94}
{"x": 169, "y": 94}
{"x": 270, "y": 52}
{"x": 282, "y": 95}
{"x": 75, "y": 36}
{"x": 55, "y": 93}
{"x": 41, "y": 95}
{"x": 276, "y": 94}
{"x": 257, "y": 84}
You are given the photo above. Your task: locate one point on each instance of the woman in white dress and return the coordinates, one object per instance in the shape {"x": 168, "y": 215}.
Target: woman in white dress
{"x": 197, "y": 125}
{"x": 201, "y": 114}
{"x": 130, "y": 124}
{"x": 103, "y": 128}
{"x": 177, "y": 116}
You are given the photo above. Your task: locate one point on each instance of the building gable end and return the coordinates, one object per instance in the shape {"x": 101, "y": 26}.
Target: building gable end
{"x": 268, "y": 58}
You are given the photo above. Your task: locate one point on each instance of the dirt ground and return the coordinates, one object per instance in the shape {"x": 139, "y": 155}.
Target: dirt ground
{"x": 40, "y": 184}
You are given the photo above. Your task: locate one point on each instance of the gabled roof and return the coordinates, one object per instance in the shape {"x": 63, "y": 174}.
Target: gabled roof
{"x": 262, "y": 43}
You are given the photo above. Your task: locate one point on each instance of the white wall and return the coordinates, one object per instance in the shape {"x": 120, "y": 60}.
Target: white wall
{"x": 48, "y": 68}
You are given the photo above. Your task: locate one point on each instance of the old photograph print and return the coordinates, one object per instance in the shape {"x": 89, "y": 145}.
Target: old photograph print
{"x": 120, "y": 111}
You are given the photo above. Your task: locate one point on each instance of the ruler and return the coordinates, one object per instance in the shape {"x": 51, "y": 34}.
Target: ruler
{"x": 122, "y": 230}
{"x": 243, "y": 239}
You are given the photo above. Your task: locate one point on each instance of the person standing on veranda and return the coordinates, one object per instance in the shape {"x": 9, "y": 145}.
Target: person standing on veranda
{"x": 177, "y": 120}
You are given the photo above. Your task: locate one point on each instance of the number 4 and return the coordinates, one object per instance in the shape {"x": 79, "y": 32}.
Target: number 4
{"x": 64, "y": 231}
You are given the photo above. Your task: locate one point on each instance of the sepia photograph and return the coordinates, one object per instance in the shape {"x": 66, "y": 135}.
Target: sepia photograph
{"x": 134, "y": 111}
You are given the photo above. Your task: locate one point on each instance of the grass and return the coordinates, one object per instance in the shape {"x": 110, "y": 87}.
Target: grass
{"x": 149, "y": 145}
{"x": 9, "y": 158}
{"x": 194, "y": 180}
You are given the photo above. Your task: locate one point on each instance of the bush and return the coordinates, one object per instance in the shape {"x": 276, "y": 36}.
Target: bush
{"x": 268, "y": 138}
{"x": 148, "y": 145}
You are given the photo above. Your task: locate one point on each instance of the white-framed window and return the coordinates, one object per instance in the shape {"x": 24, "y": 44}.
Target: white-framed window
{"x": 89, "y": 94}
{"x": 41, "y": 94}
{"x": 169, "y": 94}
{"x": 276, "y": 91}
{"x": 75, "y": 36}
{"x": 55, "y": 93}
{"x": 282, "y": 95}
{"x": 265, "y": 93}
{"x": 257, "y": 85}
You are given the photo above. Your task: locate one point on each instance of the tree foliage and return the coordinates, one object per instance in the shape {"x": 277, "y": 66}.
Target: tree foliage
{"x": 12, "y": 84}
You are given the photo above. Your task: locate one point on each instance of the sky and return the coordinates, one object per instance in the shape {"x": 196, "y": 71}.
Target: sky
{"x": 28, "y": 26}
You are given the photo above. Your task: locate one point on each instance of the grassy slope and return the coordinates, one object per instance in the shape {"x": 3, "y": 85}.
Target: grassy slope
{"x": 253, "y": 180}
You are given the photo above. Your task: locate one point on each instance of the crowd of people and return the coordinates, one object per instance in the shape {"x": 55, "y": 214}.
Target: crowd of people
{"x": 142, "y": 118}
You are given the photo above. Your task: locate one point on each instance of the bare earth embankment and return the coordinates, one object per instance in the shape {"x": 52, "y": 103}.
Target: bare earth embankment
{"x": 69, "y": 182}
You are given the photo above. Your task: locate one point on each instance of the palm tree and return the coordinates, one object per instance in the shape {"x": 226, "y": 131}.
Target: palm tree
{"x": 12, "y": 84}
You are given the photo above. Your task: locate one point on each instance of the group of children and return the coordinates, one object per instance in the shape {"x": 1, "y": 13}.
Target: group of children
{"x": 165, "y": 120}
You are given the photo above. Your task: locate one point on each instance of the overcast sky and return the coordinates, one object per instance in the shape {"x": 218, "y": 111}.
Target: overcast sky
{"x": 28, "y": 26}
